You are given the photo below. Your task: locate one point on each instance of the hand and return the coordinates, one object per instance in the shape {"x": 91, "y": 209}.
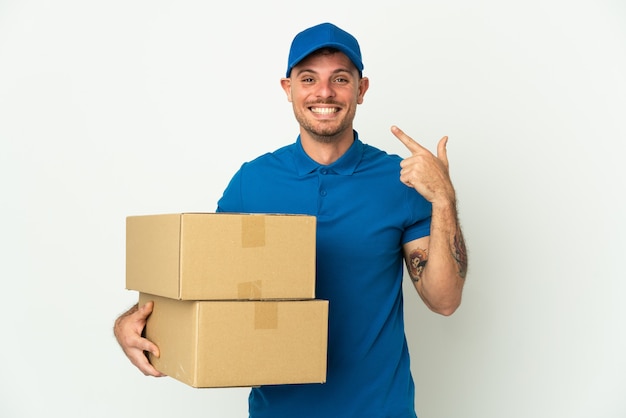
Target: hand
{"x": 424, "y": 172}
{"x": 128, "y": 329}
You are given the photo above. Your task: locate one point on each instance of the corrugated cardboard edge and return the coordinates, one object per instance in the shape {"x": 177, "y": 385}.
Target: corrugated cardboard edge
{"x": 324, "y": 338}
{"x": 180, "y": 255}
{"x": 196, "y": 345}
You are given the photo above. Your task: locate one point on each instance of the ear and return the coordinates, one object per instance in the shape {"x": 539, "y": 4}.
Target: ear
{"x": 364, "y": 84}
{"x": 286, "y": 85}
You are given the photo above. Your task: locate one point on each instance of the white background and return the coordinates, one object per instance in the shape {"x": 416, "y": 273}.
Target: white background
{"x": 118, "y": 108}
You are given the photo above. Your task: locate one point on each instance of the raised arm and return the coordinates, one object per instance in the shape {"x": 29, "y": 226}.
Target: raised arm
{"x": 437, "y": 264}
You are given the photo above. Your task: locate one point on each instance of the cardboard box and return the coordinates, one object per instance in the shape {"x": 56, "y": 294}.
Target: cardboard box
{"x": 221, "y": 256}
{"x": 239, "y": 343}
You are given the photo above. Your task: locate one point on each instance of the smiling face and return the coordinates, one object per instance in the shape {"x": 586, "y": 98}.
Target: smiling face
{"x": 325, "y": 89}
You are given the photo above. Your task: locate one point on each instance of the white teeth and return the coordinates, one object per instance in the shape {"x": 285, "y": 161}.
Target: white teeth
{"x": 324, "y": 110}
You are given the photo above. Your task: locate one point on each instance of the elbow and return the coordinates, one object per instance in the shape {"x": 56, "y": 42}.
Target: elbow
{"x": 443, "y": 300}
{"x": 446, "y": 309}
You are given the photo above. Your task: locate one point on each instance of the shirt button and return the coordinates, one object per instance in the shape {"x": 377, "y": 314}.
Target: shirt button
{"x": 324, "y": 171}
{"x": 323, "y": 192}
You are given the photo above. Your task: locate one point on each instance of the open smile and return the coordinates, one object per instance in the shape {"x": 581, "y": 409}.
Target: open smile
{"x": 324, "y": 110}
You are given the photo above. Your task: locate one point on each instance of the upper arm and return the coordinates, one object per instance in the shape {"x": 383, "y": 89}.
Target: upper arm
{"x": 416, "y": 256}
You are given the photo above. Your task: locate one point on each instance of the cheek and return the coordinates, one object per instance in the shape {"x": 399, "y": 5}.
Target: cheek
{"x": 296, "y": 96}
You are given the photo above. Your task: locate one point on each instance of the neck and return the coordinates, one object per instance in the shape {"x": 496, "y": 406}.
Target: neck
{"x": 326, "y": 150}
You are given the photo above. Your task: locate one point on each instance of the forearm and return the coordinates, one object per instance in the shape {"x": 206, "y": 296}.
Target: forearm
{"x": 441, "y": 282}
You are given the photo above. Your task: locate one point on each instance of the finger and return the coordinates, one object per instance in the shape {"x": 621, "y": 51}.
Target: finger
{"x": 142, "y": 362}
{"x": 442, "y": 151}
{"x": 149, "y": 370}
{"x": 139, "y": 357}
{"x": 145, "y": 310}
{"x": 151, "y": 347}
{"x": 408, "y": 142}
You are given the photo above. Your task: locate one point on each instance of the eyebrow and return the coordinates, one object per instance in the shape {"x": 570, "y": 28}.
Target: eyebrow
{"x": 308, "y": 70}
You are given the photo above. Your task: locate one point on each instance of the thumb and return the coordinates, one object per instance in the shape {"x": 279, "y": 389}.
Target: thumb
{"x": 146, "y": 309}
{"x": 442, "y": 152}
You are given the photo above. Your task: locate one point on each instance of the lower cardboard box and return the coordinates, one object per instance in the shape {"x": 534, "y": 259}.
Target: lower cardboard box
{"x": 239, "y": 343}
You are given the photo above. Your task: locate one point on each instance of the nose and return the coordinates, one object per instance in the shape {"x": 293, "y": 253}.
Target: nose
{"x": 325, "y": 89}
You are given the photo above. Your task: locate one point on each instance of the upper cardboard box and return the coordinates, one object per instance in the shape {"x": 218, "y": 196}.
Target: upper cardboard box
{"x": 221, "y": 256}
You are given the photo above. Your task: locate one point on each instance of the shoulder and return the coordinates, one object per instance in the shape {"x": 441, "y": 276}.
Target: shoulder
{"x": 374, "y": 157}
{"x": 269, "y": 159}
{"x": 385, "y": 168}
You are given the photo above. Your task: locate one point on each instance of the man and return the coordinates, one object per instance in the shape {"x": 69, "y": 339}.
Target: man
{"x": 373, "y": 210}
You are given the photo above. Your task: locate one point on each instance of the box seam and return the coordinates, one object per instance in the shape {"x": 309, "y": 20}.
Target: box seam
{"x": 196, "y": 344}
{"x": 180, "y": 256}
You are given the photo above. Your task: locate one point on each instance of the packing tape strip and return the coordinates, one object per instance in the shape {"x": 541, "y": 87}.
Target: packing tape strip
{"x": 250, "y": 290}
{"x": 252, "y": 231}
{"x": 265, "y": 315}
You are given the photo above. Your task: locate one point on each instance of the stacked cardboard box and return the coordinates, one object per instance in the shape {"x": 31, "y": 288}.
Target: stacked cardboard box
{"x": 234, "y": 297}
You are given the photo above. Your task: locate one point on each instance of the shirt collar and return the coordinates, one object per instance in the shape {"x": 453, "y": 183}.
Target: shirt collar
{"x": 345, "y": 165}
